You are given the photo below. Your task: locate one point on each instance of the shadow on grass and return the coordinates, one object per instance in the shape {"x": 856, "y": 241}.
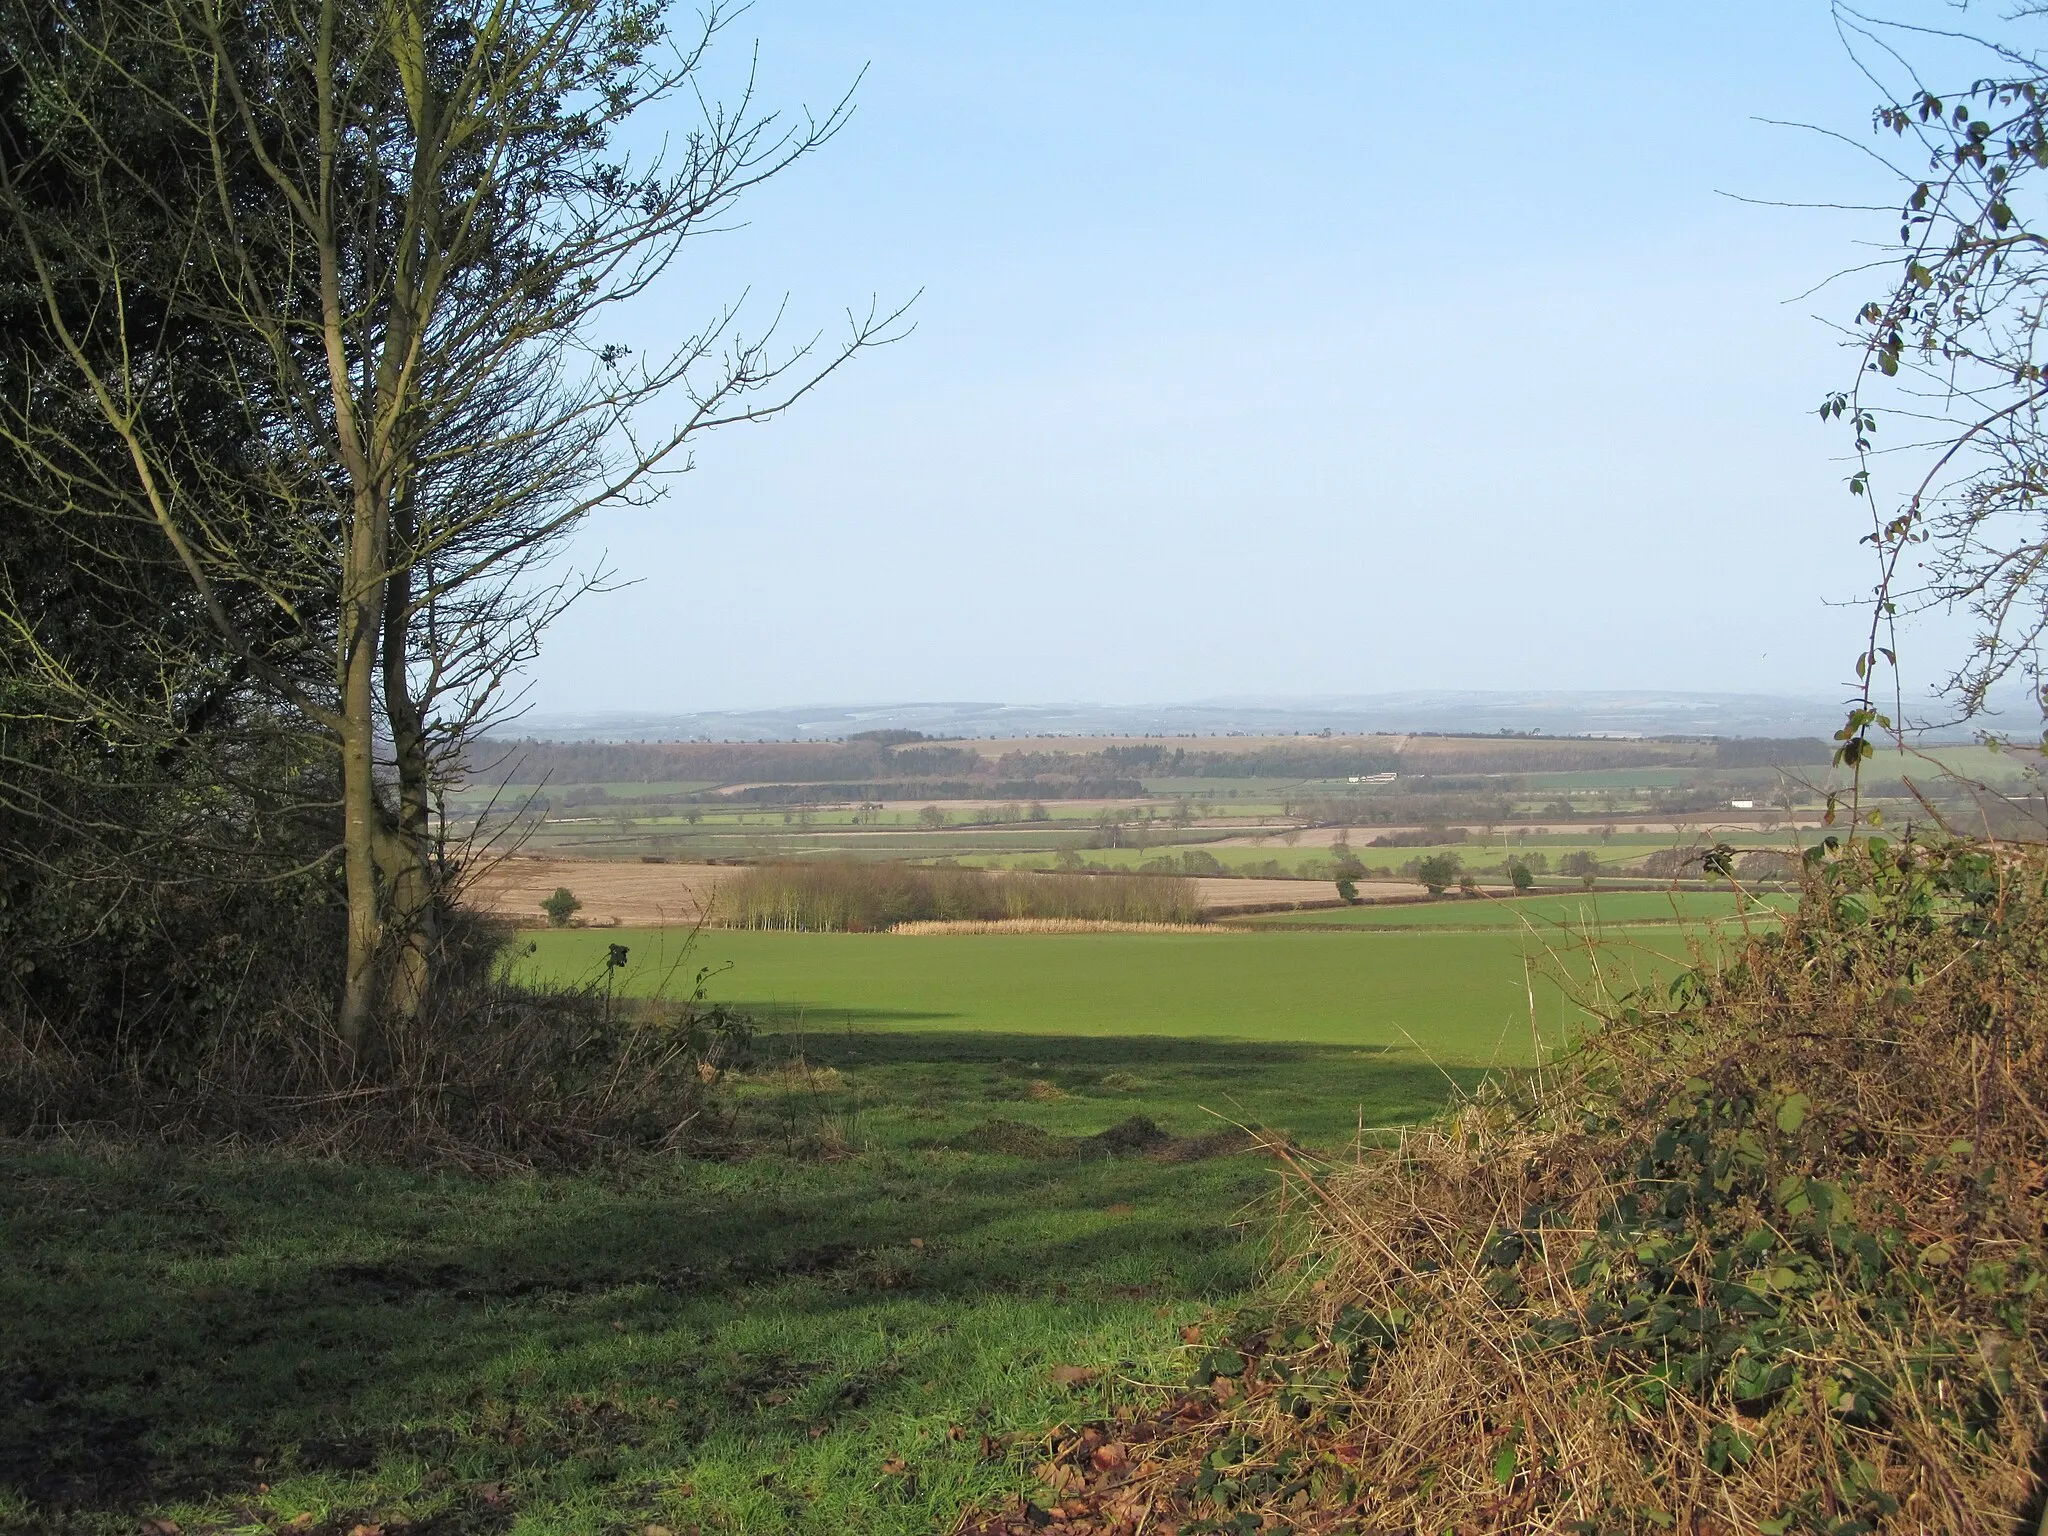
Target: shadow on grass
{"x": 187, "y": 1331}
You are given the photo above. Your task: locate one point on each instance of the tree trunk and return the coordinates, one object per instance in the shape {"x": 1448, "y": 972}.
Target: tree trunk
{"x": 407, "y": 850}
{"x": 360, "y": 812}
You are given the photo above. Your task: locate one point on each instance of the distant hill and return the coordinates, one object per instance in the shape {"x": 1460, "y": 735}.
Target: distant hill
{"x": 1646, "y": 713}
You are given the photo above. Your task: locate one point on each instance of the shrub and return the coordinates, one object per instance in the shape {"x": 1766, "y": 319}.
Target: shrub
{"x": 560, "y": 907}
{"x": 1770, "y": 1246}
{"x": 490, "y": 1077}
{"x": 1438, "y": 871}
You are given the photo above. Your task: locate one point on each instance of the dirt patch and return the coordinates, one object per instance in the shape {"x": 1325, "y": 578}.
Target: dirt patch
{"x": 614, "y": 893}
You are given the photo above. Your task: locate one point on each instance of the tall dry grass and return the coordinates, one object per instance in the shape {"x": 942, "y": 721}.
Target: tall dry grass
{"x": 844, "y": 896}
{"x": 491, "y": 1077}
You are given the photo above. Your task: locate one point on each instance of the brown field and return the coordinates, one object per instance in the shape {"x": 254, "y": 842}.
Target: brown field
{"x": 1226, "y": 895}
{"x": 619, "y": 893}
{"x": 1624, "y": 825}
{"x": 614, "y": 892}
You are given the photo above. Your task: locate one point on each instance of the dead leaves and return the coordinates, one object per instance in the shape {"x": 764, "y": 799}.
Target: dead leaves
{"x": 1073, "y": 1375}
{"x": 1090, "y": 1485}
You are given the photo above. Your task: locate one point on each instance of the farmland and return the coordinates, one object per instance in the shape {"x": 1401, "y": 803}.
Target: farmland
{"x": 1250, "y": 808}
{"x": 860, "y": 1323}
{"x": 1456, "y": 998}
{"x": 966, "y": 1185}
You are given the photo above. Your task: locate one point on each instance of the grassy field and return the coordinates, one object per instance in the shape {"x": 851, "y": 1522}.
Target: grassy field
{"x": 1459, "y": 996}
{"x": 855, "y": 1326}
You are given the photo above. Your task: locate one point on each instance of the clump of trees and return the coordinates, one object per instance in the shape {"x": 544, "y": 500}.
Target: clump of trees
{"x": 1439, "y": 871}
{"x": 848, "y": 896}
{"x": 306, "y": 372}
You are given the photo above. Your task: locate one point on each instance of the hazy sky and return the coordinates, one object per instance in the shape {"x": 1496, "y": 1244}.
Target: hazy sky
{"x": 1289, "y": 348}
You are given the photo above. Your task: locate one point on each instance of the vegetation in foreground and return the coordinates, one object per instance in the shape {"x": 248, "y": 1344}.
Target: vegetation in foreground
{"x": 858, "y": 1326}
{"x": 1765, "y": 1256}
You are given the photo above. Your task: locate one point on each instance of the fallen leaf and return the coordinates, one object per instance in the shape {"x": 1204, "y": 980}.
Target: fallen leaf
{"x": 656, "y": 1530}
{"x": 155, "y": 1526}
{"x": 1109, "y": 1457}
{"x": 895, "y": 1466}
{"x": 366, "y": 1530}
{"x": 1072, "y": 1375}
{"x": 492, "y": 1494}
{"x": 1121, "y": 1208}
{"x": 955, "y": 1432}
{"x": 1192, "y": 1334}
{"x": 917, "y": 1242}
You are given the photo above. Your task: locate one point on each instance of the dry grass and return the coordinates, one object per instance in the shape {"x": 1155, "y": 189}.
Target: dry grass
{"x": 1767, "y": 1256}
{"x": 491, "y": 1078}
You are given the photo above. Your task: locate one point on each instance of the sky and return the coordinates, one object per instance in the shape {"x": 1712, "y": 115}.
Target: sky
{"x": 1298, "y": 348}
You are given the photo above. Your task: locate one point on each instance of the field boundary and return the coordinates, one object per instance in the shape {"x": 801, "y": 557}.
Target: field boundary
{"x": 937, "y": 928}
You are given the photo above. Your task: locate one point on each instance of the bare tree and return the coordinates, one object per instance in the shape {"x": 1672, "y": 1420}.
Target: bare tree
{"x": 437, "y": 224}
{"x": 1952, "y": 362}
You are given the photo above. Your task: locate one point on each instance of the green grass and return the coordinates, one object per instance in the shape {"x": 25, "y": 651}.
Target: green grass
{"x": 788, "y": 1342}
{"x": 1458, "y": 996}
{"x": 1575, "y": 911}
{"x": 743, "y": 1347}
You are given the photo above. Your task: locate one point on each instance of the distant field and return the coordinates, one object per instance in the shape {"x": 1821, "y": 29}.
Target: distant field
{"x": 1603, "y": 909}
{"x": 1455, "y": 998}
{"x": 1241, "y": 854}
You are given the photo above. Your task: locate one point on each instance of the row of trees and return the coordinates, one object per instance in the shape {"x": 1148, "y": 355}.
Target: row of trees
{"x": 305, "y": 376}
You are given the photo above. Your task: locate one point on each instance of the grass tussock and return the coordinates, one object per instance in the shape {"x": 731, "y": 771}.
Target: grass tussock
{"x": 1766, "y": 1255}
{"x": 845, "y": 896}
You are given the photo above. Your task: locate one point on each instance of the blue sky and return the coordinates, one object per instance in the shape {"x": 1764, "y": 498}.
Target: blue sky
{"x": 1293, "y": 348}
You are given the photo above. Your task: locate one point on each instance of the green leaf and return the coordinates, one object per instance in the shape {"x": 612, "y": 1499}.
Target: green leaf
{"x": 1504, "y": 1463}
{"x": 1792, "y": 1113}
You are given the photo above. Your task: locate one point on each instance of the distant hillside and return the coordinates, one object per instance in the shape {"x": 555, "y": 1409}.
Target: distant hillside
{"x": 1641, "y": 713}
{"x": 1050, "y": 769}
